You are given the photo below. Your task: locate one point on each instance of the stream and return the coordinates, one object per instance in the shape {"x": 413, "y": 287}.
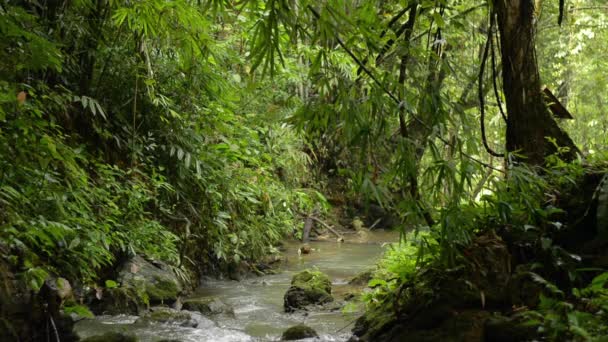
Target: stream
{"x": 258, "y": 301}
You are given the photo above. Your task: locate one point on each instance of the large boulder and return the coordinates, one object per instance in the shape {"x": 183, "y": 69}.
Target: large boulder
{"x": 307, "y": 288}
{"x": 141, "y": 283}
{"x": 298, "y": 332}
{"x": 157, "y": 280}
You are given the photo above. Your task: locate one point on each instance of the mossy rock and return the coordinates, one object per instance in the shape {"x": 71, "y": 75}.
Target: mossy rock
{"x": 307, "y": 288}
{"x": 361, "y": 279}
{"x": 312, "y": 279}
{"x": 142, "y": 283}
{"x": 156, "y": 281}
{"x": 111, "y": 337}
{"x": 238, "y": 270}
{"x": 168, "y": 316}
{"x": 163, "y": 289}
{"x": 463, "y": 326}
{"x": 373, "y": 322}
{"x": 119, "y": 301}
{"x": 208, "y": 306}
{"x": 298, "y": 332}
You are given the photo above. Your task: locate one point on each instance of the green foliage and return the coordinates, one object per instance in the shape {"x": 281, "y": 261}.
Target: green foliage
{"x": 24, "y": 43}
{"x": 400, "y": 264}
{"x": 72, "y": 222}
{"x": 151, "y": 139}
{"x": 580, "y": 318}
{"x": 79, "y": 310}
{"x": 520, "y": 199}
{"x": 111, "y": 284}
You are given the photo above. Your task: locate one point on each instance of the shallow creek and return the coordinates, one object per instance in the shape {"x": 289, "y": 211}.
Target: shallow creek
{"x": 258, "y": 301}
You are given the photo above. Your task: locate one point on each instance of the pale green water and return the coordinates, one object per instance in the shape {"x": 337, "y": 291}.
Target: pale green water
{"x": 258, "y": 302}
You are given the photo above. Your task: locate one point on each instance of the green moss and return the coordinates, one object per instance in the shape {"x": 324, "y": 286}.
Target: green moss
{"x": 321, "y": 295}
{"x": 79, "y": 310}
{"x": 312, "y": 280}
{"x": 162, "y": 289}
{"x": 298, "y": 332}
{"x": 122, "y": 300}
{"x": 164, "y": 316}
{"x": 308, "y": 287}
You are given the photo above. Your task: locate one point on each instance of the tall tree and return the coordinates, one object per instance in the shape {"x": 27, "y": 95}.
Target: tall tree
{"x": 529, "y": 123}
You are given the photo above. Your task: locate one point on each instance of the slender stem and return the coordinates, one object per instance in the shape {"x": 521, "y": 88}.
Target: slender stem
{"x": 134, "y": 114}
{"x": 495, "y": 85}
{"x": 481, "y": 95}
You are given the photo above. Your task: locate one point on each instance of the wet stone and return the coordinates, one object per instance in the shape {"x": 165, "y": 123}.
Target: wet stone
{"x": 308, "y": 287}
{"x": 298, "y": 332}
{"x": 175, "y": 317}
{"x": 208, "y": 306}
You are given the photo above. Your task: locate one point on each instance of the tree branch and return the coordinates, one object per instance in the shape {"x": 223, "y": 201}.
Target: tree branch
{"x": 352, "y": 55}
{"x": 395, "y": 99}
{"x": 328, "y": 227}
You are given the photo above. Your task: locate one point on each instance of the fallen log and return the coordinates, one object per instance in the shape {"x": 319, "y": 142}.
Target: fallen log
{"x": 338, "y": 235}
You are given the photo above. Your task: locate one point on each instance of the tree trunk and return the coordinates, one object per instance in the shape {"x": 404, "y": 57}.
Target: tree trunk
{"x": 307, "y": 227}
{"x": 529, "y": 122}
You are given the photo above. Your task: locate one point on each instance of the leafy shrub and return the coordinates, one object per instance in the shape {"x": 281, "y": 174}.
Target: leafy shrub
{"x": 583, "y": 317}
{"x": 107, "y": 153}
{"x": 399, "y": 264}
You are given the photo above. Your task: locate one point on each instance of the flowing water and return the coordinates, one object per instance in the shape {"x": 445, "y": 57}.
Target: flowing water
{"x": 258, "y": 301}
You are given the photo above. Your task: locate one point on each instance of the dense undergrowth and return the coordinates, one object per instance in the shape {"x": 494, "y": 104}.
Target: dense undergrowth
{"x": 531, "y": 250}
{"x": 120, "y": 136}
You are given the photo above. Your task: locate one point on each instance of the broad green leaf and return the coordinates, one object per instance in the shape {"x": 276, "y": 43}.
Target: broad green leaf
{"x": 111, "y": 284}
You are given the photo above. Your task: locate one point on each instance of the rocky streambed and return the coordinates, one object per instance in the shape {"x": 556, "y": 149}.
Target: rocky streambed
{"x": 253, "y": 309}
